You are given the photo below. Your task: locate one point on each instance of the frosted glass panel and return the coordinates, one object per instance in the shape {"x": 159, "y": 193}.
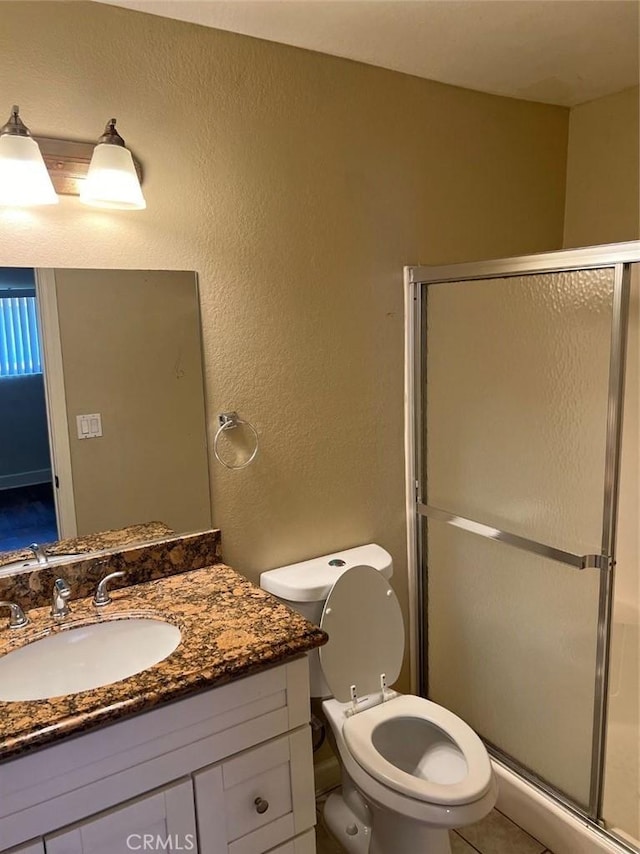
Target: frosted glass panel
{"x": 516, "y": 404}
{"x": 512, "y": 644}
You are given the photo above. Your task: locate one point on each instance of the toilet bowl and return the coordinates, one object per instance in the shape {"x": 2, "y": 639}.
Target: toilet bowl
{"x": 411, "y": 769}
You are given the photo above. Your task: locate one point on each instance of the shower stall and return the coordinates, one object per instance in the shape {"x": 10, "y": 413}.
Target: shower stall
{"x": 522, "y": 501}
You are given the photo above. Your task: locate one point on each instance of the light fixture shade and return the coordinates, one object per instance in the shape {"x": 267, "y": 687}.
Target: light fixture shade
{"x": 24, "y": 179}
{"x": 112, "y": 181}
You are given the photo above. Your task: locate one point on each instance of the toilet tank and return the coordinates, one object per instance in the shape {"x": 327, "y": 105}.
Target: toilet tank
{"x": 305, "y": 586}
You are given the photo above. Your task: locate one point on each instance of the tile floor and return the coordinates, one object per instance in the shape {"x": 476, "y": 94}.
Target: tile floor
{"x": 496, "y": 834}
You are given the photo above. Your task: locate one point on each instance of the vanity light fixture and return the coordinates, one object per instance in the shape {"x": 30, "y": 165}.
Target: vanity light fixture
{"x": 33, "y": 170}
{"x": 24, "y": 179}
{"x": 112, "y": 181}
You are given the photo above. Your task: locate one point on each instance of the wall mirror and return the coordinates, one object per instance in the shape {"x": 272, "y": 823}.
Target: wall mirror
{"x": 102, "y": 403}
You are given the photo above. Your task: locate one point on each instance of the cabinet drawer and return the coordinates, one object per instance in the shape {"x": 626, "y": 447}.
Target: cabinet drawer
{"x": 257, "y": 788}
{"x": 36, "y": 847}
{"x": 258, "y": 799}
{"x": 303, "y": 844}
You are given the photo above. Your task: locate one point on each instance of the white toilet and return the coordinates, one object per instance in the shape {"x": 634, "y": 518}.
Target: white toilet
{"x": 411, "y": 770}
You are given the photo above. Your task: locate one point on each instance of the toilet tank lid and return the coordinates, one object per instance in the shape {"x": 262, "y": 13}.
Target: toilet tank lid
{"x": 312, "y": 580}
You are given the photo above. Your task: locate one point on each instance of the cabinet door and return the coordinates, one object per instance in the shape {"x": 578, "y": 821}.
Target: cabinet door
{"x": 35, "y": 847}
{"x": 162, "y": 821}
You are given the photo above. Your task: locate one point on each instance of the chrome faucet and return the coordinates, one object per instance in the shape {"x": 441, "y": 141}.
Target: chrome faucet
{"x": 39, "y": 553}
{"x": 61, "y": 596}
{"x": 17, "y": 619}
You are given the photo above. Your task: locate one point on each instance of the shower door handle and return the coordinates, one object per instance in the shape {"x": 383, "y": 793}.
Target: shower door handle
{"x": 590, "y": 561}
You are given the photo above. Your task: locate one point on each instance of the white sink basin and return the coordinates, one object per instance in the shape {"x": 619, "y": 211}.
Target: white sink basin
{"x": 85, "y": 657}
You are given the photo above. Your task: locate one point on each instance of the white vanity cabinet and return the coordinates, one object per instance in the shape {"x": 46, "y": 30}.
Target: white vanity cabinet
{"x": 226, "y": 771}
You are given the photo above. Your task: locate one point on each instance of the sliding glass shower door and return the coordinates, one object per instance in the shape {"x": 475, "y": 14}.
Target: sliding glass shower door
{"x": 517, "y": 431}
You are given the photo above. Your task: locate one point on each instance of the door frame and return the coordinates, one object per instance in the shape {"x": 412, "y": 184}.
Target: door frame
{"x": 56, "y": 402}
{"x": 619, "y": 256}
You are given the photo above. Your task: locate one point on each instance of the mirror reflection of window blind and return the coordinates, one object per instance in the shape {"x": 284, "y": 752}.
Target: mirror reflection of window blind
{"x": 19, "y": 340}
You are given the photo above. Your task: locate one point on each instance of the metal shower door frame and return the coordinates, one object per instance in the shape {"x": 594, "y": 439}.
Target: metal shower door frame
{"x": 417, "y": 279}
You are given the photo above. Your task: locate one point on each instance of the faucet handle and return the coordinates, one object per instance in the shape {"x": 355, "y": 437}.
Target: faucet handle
{"x": 102, "y": 593}
{"x": 17, "y": 619}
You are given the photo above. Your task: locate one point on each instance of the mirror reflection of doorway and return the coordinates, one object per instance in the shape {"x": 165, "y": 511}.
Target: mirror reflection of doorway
{"x": 122, "y": 347}
{"x": 27, "y": 507}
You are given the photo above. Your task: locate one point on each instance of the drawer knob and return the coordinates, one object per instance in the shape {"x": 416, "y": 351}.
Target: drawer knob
{"x": 261, "y": 805}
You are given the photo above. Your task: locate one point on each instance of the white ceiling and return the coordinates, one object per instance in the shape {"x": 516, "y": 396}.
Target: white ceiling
{"x": 556, "y": 51}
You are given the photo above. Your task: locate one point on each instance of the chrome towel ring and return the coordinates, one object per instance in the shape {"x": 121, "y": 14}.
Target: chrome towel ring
{"x": 229, "y": 421}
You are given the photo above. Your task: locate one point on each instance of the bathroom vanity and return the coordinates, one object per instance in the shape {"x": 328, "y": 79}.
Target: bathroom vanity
{"x": 229, "y": 770}
{"x": 207, "y": 751}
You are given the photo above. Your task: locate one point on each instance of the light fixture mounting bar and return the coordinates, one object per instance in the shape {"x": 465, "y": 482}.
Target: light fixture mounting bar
{"x": 68, "y": 163}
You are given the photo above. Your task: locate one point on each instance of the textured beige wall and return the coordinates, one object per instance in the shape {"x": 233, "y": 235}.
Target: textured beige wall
{"x": 130, "y": 343}
{"x": 603, "y": 195}
{"x": 297, "y": 185}
{"x": 602, "y": 206}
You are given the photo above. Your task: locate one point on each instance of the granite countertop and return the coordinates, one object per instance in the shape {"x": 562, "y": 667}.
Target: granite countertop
{"x": 230, "y": 628}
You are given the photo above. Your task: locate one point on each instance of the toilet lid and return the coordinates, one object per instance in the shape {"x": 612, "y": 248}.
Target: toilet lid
{"x": 363, "y": 619}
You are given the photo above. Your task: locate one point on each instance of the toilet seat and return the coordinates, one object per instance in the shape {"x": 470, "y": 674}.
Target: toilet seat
{"x": 363, "y": 619}
{"x": 361, "y": 730}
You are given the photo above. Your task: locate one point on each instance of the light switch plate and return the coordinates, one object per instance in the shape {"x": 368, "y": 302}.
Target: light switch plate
{"x": 89, "y": 426}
